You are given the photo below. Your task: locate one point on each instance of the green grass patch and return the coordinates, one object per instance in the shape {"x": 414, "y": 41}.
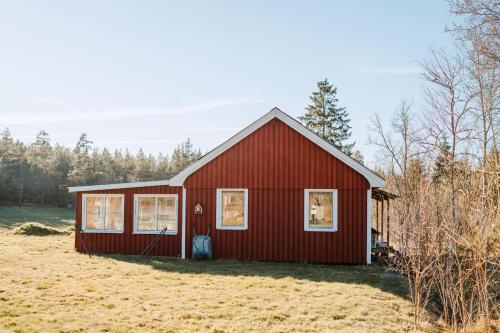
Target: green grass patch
{"x": 12, "y": 217}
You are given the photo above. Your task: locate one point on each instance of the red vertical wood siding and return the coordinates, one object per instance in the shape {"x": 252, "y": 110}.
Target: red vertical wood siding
{"x": 276, "y": 164}
{"x": 127, "y": 242}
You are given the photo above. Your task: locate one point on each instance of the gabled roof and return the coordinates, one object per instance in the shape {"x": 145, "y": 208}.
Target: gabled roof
{"x": 372, "y": 177}
{"x": 178, "y": 180}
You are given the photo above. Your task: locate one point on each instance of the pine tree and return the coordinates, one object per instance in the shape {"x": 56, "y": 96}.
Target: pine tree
{"x": 59, "y": 167}
{"x": 81, "y": 165}
{"x": 83, "y": 145}
{"x": 104, "y": 166}
{"x": 10, "y": 170}
{"x": 144, "y": 167}
{"x": 325, "y": 118}
{"x": 441, "y": 165}
{"x": 42, "y": 139}
{"x": 358, "y": 157}
{"x": 128, "y": 166}
{"x": 183, "y": 155}
{"x": 38, "y": 157}
{"x": 162, "y": 168}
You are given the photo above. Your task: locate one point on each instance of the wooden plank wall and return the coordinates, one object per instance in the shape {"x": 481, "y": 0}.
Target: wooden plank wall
{"x": 127, "y": 242}
{"x": 276, "y": 164}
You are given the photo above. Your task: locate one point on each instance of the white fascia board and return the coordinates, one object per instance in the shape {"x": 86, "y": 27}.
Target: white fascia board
{"x": 178, "y": 180}
{"x": 117, "y": 186}
{"x": 373, "y": 179}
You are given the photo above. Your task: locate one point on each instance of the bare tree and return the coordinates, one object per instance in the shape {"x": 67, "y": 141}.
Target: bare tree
{"x": 397, "y": 146}
{"x": 483, "y": 86}
{"x": 449, "y": 240}
{"x": 448, "y": 246}
{"x": 448, "y": 113}
{"x": 478, "y": 33}
{"x": 480, "y": 25}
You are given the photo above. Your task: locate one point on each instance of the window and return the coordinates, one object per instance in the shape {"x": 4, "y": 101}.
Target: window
{"x": 320, "y": 210}
{"x": 155, "y": 212}
{"x": 102, "y": 213}
{"x": 232, "y": 209}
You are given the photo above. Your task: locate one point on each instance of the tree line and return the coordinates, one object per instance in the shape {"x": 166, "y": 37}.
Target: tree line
{"x": 40, "y": 172}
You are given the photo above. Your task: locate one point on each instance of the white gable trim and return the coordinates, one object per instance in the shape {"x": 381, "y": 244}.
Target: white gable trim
{"x": 373, "y": 179}
{"x": 117, "y": 186}
{"x": 181, "y": 176}
{"x": 178, "y": 180}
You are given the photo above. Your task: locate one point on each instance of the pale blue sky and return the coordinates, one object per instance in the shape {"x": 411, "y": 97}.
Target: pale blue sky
{"x": 149, "y": 74}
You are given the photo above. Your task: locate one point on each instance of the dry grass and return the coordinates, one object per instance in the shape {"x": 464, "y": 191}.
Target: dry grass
{"x": 46, "y": 286}
{"x": 39, "y": 229}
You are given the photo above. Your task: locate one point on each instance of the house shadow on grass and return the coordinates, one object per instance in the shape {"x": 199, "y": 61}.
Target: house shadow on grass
{"x": 14, "y": 216}
{"x": 372, "y": 276}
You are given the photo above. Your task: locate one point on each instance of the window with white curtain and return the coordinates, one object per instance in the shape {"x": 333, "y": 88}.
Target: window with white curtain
{"x": 155, "y": 212}
{"x": 102, "y": 213}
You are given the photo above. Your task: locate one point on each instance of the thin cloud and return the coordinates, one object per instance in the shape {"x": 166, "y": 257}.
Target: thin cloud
{"x": 59, "y": 101}
{"x": 85, "y": 115}
{"x": 158, "y": 131}
{"x": 143, "y": 142}
{"x": 390, "y": 71}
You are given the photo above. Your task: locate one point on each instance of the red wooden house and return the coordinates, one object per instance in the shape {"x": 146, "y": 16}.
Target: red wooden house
{"x": 274, "y": 191}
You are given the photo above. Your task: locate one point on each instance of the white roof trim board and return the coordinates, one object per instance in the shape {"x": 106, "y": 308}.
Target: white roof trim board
{"x": 117, "y": 186}
{"x": 373, "y": 178}
{"x": 178, "y": 180}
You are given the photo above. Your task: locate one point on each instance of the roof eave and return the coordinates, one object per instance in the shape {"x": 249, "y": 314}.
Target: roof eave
{"x": 373, "y": 179}
{"x": 117, "y": 186}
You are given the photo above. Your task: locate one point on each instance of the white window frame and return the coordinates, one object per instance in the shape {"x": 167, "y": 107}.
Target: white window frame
{"x": 136, "y": 213}
{"x": 219, "y": 209}
{"x": 84, "y": 213}
{"x": 334, "y": 226}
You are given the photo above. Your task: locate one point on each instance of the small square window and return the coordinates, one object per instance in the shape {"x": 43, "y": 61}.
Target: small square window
{"x": 320, "y": 210}
{"x": 232, "y": 209}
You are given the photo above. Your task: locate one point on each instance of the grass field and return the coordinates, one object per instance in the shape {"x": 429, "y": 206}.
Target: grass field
{"x": 46, "y": 286}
